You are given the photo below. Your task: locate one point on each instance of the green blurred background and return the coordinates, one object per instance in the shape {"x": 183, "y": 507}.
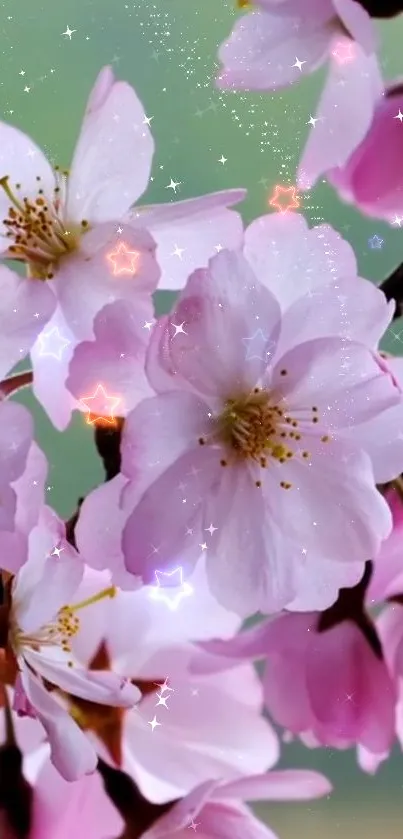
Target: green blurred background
{"x": 167, "y": 50}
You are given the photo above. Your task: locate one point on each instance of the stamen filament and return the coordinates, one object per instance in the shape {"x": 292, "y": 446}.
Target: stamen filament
{"x": 7, "y": 190}
{"x": 106, "y": 592}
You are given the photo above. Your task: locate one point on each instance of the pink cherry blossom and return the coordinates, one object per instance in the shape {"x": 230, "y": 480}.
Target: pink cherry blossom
{"x": 322, "y": 268}
{"x": 89, "y": 216}
{"x": 41, "y": 624}
{"x": 371, "y": 181}
{"x": 205, "y": 727}
{"x": 213, "y": 377}
{"x": 275, "y": 44}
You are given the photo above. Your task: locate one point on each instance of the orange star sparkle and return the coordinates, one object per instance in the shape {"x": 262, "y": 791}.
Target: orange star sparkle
{"x": 344, "y": 52}
{"x": 101, "y": 407}
{"x": 123, "y": 260}
{"x": 284, "y": 192}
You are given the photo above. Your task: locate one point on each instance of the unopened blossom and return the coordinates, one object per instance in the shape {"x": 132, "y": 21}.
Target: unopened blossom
{"x": 81, "y": 242}
{"x": 368, "y": 179}
{"x": 327, "y": 677}
{"x": 255, "y": 435}
{"x": 184, "y": 729}
{"x": 37, "y": 625}
{"x": 274, "y": 44}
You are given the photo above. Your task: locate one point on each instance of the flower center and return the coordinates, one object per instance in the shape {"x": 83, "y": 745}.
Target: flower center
{"x": 253, "y": 427}
{"x": 36, "y": 229}
{"x": 59, "y": 633}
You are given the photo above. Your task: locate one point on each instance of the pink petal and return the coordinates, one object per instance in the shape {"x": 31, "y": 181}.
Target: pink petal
{"x": 71, "y": 751}
{"x": 159, "y": 431}
{"x": 26, "y": 306}
{"x": 116, "y": 357}
{"x": 60, "y": 807}
{"x": 86, "y": 281}
{"x": 344, "y": 518}
{"x": 23, "y": 162}
{"x": 212, "y": 734}
{"x": 230, "y": 821}
{"x": 189, "y": 232}
{"x": 15, "y": 441}
{"x": 350, "y": 308}
{"x": 342, "y": 664}
{"x": 342, "y": 376}
{"x": 45, "y": 582}
{"x": 358, "y": 23}
{"x": 29, "y": 488}
{"x": 385, "y": 447}
{"x": 180, "y": 815}
{"x": 368, "y": 761}
{"x": 50, "y": 358}
{"x": 221, "y": 345}
{"x": 283, "y": 785}
{"x": 112, "y": 160}
{"x": 245, "y": 527}
{"x": 261, "y": 51}
{"x": 286, "y": 693}
{"x": 155, "y": 534}
{"x": 372, "y": 182}
{"x": 292, "y": 260}
{"x": 344, "y": 113}
{"x": 103, "y": 687}
{"x": 318, "y": 581}
{"x": 98, "y": 532}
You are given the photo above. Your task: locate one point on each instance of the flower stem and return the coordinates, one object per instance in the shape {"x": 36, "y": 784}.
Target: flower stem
{"x": 15, "y": 383}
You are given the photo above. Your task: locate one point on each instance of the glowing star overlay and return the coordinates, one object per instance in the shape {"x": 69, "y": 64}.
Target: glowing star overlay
{"x": 344, "y": 52}
{"x": 158, "y": 592}
{"x": 284, "y": 198}
{"x": 123, "y": 261}
{"x": 52, "y": 343}
{"x": 101, "y": 408}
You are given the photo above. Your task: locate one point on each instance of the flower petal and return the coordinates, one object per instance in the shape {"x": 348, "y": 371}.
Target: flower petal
{"x": 342, "y": 516}
{"x": 103, "y": 687}
{"x": 283, "y": 785}
{"x": 46, "y": 582}
{"x": 98, "y": 532}
{"x": 265, "y": 582}
{"x": 59, "y": 807}
{"x": 343, "y": 376}
{"x": 221, "y": 345}
{"x": 292, "y": 260}
{"x": 155, "y": 534}
{"x": 26, "y": 306}
{"x": 71, "y": 751}
{"x": 50, "y": 358}
{"x": 116, "y": 357}
{"x": 17, "y": 431}
{"x": 189, "y": 232}
{"x": 260, "y": 52}
{"x": 344, "y": 114}
{"x": 112, "y": 159}
{"x": 349, "y": 308}
{"x": 104, "y": 268}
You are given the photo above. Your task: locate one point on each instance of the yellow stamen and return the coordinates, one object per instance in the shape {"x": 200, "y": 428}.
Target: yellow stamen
{"x": 106, "y": 592}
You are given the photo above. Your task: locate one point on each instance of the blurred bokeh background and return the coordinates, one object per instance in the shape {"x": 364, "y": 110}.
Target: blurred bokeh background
{"x": 167, "y": 50}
